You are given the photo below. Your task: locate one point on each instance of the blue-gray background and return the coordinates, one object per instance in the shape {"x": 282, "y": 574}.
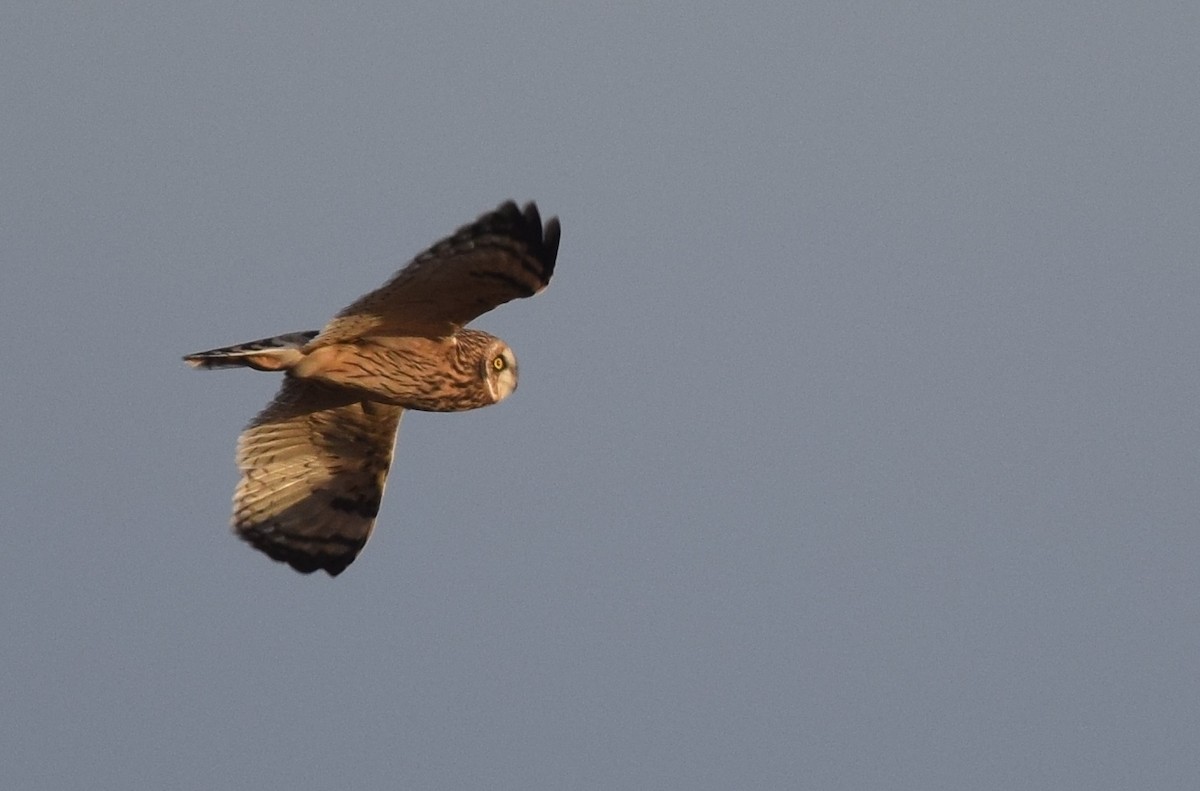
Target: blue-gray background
{"x": 856, "y": 444}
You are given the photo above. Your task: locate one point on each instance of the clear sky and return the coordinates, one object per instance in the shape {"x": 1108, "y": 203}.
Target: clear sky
{"x": 856, "y": 443}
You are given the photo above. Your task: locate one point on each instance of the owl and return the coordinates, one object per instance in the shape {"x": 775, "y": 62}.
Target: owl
{"x": 314, "y": 462}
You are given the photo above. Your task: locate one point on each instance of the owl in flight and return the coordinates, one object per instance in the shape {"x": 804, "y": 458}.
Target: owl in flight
{"x": 314, "y": 462}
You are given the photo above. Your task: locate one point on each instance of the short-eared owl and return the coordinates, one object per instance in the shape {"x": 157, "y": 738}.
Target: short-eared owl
{"x": 314, "y": 462}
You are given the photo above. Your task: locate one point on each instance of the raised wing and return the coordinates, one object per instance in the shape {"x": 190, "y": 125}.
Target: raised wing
{"x": 314, "y": 464}
{"x": 504, "y": 255}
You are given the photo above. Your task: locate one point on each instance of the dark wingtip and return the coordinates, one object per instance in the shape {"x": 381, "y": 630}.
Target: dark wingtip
{"x": 550, "y": 238}
{"x": 332, "y": 565}
{"x": 542, "y": 239}
{"x": 305, "y": 561}
{"x": 524, "y": 226}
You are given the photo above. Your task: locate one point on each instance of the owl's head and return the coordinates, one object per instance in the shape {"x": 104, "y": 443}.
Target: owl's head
{"x": 498, "y": 367}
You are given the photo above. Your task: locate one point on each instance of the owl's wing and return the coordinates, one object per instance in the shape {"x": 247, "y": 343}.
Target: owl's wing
{"x": 313, "y": 464}
{"x": 504, "y": 255}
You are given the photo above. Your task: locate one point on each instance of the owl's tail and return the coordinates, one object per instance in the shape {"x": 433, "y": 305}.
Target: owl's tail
{"x": 269, "y": 354}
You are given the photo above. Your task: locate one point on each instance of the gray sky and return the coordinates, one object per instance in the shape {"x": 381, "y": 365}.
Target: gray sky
{"x": 856, "y": 442}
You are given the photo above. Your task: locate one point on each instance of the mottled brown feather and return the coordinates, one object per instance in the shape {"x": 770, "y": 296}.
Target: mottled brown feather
{"x": 504, "y": 255}
{"x": 314, "y": 464}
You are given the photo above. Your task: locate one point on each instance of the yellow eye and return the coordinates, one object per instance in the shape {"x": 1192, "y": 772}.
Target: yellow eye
{"x": 498, "y": 363}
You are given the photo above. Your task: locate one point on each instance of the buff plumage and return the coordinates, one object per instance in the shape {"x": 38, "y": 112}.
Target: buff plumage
{"x": 314, "y": 462}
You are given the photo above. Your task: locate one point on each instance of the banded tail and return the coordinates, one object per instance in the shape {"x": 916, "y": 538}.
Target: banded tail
{"x": 268, "y": 354}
